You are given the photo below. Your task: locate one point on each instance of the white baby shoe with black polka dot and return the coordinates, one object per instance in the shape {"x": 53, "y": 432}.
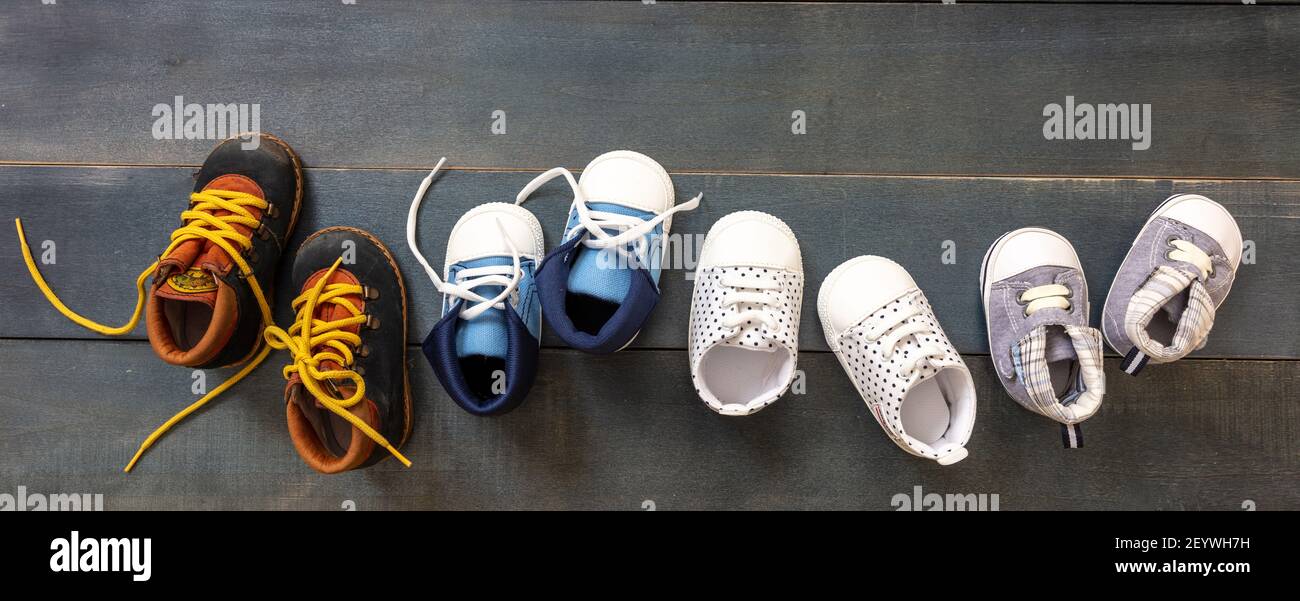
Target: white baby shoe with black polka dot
{"x": 744, "y": 328}
{"x": 887, "y": 338}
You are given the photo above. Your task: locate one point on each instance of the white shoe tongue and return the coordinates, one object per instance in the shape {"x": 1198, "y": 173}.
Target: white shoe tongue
{"x": 936, "y": 365}
{"x": 753, "y": 337}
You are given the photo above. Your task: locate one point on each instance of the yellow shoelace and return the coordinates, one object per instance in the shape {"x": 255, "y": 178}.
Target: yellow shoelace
{"x": 307, "y": 333}
{"x": 198, "y": 223}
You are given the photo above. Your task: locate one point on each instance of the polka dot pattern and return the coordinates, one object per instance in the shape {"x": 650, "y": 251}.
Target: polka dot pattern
{"x": 708, "y": 314}
{"x": 881, "y": 380}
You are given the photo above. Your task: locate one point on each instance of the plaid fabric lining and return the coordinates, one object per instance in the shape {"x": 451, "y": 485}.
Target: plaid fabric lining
{"x": 1194, "y": 326}
{"x": 1030, "y": 359}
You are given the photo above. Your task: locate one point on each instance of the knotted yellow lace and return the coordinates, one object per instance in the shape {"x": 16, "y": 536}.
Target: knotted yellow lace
{"x": 199, "y": 222}
{"x": 308, "y": 333}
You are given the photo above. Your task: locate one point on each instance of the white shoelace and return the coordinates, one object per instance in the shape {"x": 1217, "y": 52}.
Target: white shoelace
{"x": 1190, "y": 253}
{"x": 1055, "y": 296}
{"x": 466, "y": 279}
{"x": 754, "y": 293}
{"x": 630, "y": 230}
{"x": 891, "y": 332}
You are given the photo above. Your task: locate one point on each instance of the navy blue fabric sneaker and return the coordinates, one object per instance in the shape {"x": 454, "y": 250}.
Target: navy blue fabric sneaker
{"x": 600, "y": 285}
{"x": 484, "y": 349}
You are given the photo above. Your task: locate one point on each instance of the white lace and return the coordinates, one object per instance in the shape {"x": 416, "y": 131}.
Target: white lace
{"x": 756, "y": 294}
{"x": 1053, "y": 296}
{"x": 629, "y": 229}
{"x": 1190, "y": 253}
{"x": 891, "y": 332}
{"x": 466, "y": 279}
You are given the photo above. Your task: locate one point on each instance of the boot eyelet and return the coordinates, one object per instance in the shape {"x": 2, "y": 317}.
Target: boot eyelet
{"x": 372, "y": 322}
{"x": 272, "y": 211}
{"x": 369, "y": 293}
{"x": 364, "y": 351}
{"x": 360, "y": 371}
{"x": 251, "y": 254}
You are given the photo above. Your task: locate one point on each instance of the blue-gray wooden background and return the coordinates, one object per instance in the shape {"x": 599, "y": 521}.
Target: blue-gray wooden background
{"x": 923, "y": 134}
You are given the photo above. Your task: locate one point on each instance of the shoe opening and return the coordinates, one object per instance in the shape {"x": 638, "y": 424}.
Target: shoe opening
{"x": 187, "y": 321}
{"x": 1164, "y": 324}
{"x": 938, "y": 412}
{"x": 1062, "y": 362}
{"x": 588, "y": 313}
{"x": 485, "y": 375}
{"x": 736, "y": 375}
{"x": 325, "y": 441}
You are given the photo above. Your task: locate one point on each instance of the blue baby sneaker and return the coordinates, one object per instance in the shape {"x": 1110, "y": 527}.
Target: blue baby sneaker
{"x": 600, "y": 285}
{"x": 484, "y": 349}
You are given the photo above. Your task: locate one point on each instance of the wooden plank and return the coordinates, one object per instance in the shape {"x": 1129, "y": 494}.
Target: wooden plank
{"x": 886, "y": 88}
{"x": 109, "y": 223}
{"x": 614, "y": 432}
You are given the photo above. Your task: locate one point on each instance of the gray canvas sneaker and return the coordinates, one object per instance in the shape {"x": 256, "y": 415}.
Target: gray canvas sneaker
{"x": 1036, "y": 309}
{"x": 1161, "y": 305}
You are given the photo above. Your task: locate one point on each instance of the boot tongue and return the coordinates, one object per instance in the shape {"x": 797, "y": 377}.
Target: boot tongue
{"x": 192, "y": 266}
{"x": 194, "y": 285}
{"x": 328, "y": 312}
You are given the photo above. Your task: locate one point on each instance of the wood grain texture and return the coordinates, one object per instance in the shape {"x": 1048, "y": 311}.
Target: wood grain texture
{"x": 613, "y": 432}
{"x": 887, "y": 88}
{"x": 109, "y": 223}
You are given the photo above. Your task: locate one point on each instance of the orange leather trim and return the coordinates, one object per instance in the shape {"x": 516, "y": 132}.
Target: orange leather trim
{"x": 310, "y": 448}
{"x": 225, "y": 314}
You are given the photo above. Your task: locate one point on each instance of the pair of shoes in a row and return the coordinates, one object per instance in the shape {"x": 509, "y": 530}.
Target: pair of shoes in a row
{"x": 596, "y": 289}
{"x": 744, "y": 335}
{"x": 745, "y": 316}
{"x": 347, "y": 400}
{"x": 1160, "y": 306}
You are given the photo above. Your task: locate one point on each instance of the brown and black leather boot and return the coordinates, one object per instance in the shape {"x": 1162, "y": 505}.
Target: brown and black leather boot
{"x": 210, "y": 295}
{"x": 348, "y": 400}
{"x": 203, "y": 309}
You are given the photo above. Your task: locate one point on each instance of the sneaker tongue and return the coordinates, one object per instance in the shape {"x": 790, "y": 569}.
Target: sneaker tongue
{"x": 484, "y": 335}
{"x": 938, "y": 364}
{"x": 1059, "y": 345}
{"x": 1173, "y": 309}
{"x": 604, "y": 274}
{"x": 754, "y": 337}
{"x": 194, "y": 285}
